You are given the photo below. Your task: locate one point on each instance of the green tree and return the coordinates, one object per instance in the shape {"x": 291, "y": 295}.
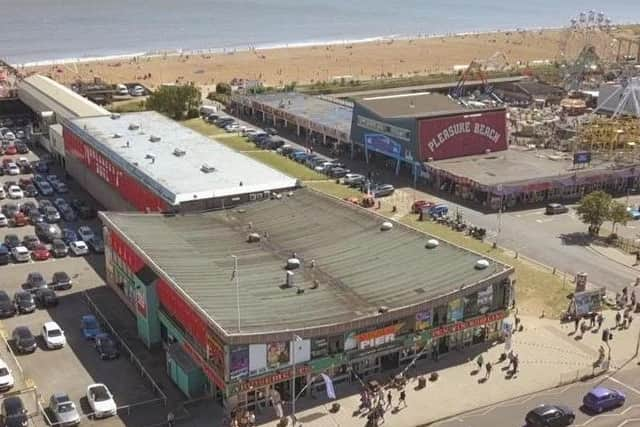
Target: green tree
{"x": 175, "y": 101}
{"x": 223, "y": 88}
{"x": 618, "y": 214}
{"x": 593, "y": 210}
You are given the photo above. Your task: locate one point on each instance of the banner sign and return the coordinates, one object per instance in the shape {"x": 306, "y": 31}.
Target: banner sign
{"x": 588, "y": 302}
{"x": 276, "y": 378}
{"x": 239, "y": 362}
{"x": 582, "y": 157}
{"x": 471, "y": 323}
{"x": 485, "y": 299}
{"x": 455, "y": 310}
{"x": 423, "y": 320}
{"x": 383, "y": 144}
{"x": 277, "y": 354}
{"x": 377, "y": 337}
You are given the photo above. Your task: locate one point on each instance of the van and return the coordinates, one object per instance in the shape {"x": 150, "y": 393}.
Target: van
{"x": 205, "y": 110}
{"x": 438, "y": 210}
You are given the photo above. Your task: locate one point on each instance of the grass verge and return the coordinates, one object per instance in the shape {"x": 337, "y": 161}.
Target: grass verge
{"x": 203, "y": 127}
{"x": 235, "y": 142}
{"x": 130, "y": 106}
{"x": 286, "y": 165}
{"x": 336, "y": 190}
{"x": 537, "y": 288}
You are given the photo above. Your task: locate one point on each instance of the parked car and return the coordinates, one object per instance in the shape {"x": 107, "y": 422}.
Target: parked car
{"x": 46, "y": 298}
{"x": 7, "y": 308}
{"x": 85, "y": 233}
{"x": 601, "y": 399}
{"x": 68, "y": 214}
{"x": 48, "y": 232}
{"x": 338, "y": 172}
{"x": 59, "y": 248}
{"x": 6, "y": 377}
{"x": 89, "y": 326}
{"x": 3, "y": 192}
{"x": 438, "y": 210}
{"x": 10, "y": 210}
{"x": 60, "y": 281}
{"x": 60, "y": 187}
{"x": 12, "y": 169}
{"x": 63, "y": 410}
{"x": 4, "y": 222}
{"x": 634, "y": 213}
{"x": 101, "y": 401}
{"x": 53, "y": 335}
{"x": 20, "y": 220}
{"x": 137, "y": 90}
{"x": 30, "y": 242}
{"x": 12, "y": 241}
{"x": 35, "y": 217}
{"x": 34, "y": 282}
{"x": 383, "y": 190}
{"x": 21, "y": 254}
{"x": 96, "y": 245}
{"x": 41, "y": 253}
{"x": 550, "y": 416}
{"x": 84, "y": 210}
{"x": 5, "y": 254}
{"x": 41, "y": 167}
{"x": 421, "y": 205}
{"x": 44, "y": 188}
{"x": 13, "y": 413}
{"x": 69, "y": 235}
{"x": 556, "y": 208}
{"x": 24, "y": 340}
{"x": 51, "y": 215}
{"x": 79, "y": 248}
{"x": 28, "y": 206}
{"x": 106, "y": 347}
{"x": 24, "y": 302}
{"x": 22, "y": 148}
{"x": 271, "y": 131}
{"x": 15, "y": 192}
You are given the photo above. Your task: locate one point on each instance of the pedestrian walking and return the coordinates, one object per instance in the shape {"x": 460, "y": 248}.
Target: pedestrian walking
{"x": 517, "y": 323}
{"x": 576, "y": 323}
{"x": 629, "y": 318}
{"x": 171, "y": 419}
{"x": 403, "y": 399}
{"x": 389, "y": 399}
{"x": 633, "y": 298}
{"x": 515, "y": 363}
{"x": 479, "y": 361}
{"x": 618, "y": 319}
{"x": 600, "y": 320}
{"x": 592, "y": 320}
{"x": 380, "y": 411}
{"x": 488, "y": 368}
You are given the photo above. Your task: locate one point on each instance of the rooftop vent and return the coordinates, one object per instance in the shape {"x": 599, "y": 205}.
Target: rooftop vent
{"x": 383, "y": 309}
{"x": 315, "y": 284}
{"x": 179, "y": 153}
{"x": 481, "y": 264}
{"x": 293, "y": 263}
{"x": 386, "y": 226}
{"x": 117, "y": 135}
{"x": 154, "y": 138}
{"x": 115, "y": 116}
{"x": 207, "y": 169}
{"x": 150, "y": 157}
{"x": 253, "y": 238}
{"x": 134, "y": 126}
{"x": 432, "y": 244}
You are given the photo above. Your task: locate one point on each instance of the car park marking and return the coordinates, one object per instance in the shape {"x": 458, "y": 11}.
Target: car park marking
{"x": 609, "y": 415}
{"x": 633, "y": 389}
{"x": 541, "y": 221}
{"x": 630, "y": 420}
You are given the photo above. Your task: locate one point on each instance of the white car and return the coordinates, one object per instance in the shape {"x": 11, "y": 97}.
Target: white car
{"x": 4, "y": 222}
{"x": 53, "y": 335}
{"x": 101, "y": 401}
{"x": 21, "y": 254}
{"x": 3, "y": 193}
{"x": 351, "y": 178}
{"x": 6, "y": 378}
{"x": 13, "y": 169}
{"x": 9, "y": 136}
{"x": 137, "y": 90}
{"x": 15, "y": 192}
{"x": 79, "y": 248}
{"x": 85, "y": 233}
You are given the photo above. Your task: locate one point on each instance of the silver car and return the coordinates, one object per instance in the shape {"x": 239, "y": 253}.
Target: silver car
{"x": 63, "y": 410}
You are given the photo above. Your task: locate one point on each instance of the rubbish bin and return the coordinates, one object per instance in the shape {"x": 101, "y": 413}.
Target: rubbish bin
{"x": 422, "y": 382}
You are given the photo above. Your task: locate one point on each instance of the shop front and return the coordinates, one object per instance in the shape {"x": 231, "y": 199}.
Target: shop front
{"x": 460, "y": 334}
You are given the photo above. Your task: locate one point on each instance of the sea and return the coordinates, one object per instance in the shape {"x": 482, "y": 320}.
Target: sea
{"x": 45, "y": 31}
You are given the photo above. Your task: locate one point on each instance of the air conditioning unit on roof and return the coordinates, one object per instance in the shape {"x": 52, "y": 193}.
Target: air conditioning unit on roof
{"x": 178, "y": 152}
{"x": 134, "y": 126}
{"x": 207, "y": 169}
{"x": 154, "y": 138}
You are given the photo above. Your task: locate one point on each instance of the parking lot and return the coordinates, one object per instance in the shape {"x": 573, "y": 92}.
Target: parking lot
{"x": 75, "y": 366}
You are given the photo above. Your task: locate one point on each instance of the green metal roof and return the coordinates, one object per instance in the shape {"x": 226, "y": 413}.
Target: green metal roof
{"x": 358, "y": 267}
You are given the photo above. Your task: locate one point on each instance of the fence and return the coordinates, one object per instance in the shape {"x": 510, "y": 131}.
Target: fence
{"x": 134, "y": 360}
{"x": 630, "y": 246}
{"x": 581, "y": 374}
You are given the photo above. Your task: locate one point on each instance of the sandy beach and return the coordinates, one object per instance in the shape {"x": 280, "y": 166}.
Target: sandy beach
{"x": 355, "y": 61}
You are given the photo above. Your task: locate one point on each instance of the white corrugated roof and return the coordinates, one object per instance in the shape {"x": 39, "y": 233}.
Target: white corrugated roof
{"x": 59, "y": 97}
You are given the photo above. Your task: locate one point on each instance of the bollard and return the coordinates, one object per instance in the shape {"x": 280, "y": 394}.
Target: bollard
{"x": 554, "y": 271}
{"x": 516, "y": 257}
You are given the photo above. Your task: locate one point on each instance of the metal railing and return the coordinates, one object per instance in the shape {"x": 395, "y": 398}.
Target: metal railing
{"x": 582, "y": 374}
{"x": 132, "y": 357}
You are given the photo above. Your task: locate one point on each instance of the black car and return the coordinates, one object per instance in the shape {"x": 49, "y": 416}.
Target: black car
{"x": 27, "y": 207}
{"x": 271, "y": 131}
{"x": 24, "y": 302}
{"x": 24, "y": 340}
{"x": 14, "y": 414}
{"x": 60, "y": 280}
{"x": 12, "y": 241}
{"x": 22, "y": 149}
{"x": 41, "y": 167}
{"x": 35, "y": 217}
{"x": 338, "y": 172}
{"x": 25, "y": 166}
{"x": 68, "y": 214}
{"x": 10, "y": 210}
{"x": 106, "y": 347}
{"x": 59, "y": 248}
{"x": 550, "y": 416}
{"x": 30, "y": 191}
{"x": 46, "y": 298}
{"x": 34, "y": 282}
{"x": 96, "y": 245}
{"x": 84, "y": 210}
{"x": 5, "y": 254}
{"x": 7, "y": 309}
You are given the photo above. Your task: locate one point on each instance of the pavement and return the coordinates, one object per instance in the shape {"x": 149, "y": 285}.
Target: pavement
{"x": 550, "y": 354}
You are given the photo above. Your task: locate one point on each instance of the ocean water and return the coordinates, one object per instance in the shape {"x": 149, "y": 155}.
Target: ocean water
{"x": 43, "y": 30}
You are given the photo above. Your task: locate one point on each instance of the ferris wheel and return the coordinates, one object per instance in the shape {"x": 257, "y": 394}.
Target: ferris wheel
{"x": 587, "y": 29}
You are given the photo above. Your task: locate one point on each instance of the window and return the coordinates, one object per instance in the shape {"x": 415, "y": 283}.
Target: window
{"x": 471, "y": 305}
{"x": 440, "y": 315}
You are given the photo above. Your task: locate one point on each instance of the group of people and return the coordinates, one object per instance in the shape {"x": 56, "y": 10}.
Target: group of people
{"x": 375, "y": 404}
{"x": 242, "y": 419}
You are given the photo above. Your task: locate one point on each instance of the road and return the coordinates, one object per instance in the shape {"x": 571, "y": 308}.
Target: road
{"x": 557, "y": 241}
{"x": 512, "y": 412}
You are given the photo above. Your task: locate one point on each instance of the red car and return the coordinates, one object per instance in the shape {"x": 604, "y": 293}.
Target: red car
{"x": 23, "y": 182}
{"x": 419, "y": 205}
{"x": 20, "y": 220}
{"x": 41, "y": 253}
{"x": 11, "y": 150}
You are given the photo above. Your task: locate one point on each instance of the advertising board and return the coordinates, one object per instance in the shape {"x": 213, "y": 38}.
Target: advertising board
{"x": 462, "y": 135}
{"x": 383, "y": 144}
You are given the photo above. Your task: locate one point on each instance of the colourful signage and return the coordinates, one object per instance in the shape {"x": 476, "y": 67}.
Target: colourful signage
{"x": 471, "y": 323}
